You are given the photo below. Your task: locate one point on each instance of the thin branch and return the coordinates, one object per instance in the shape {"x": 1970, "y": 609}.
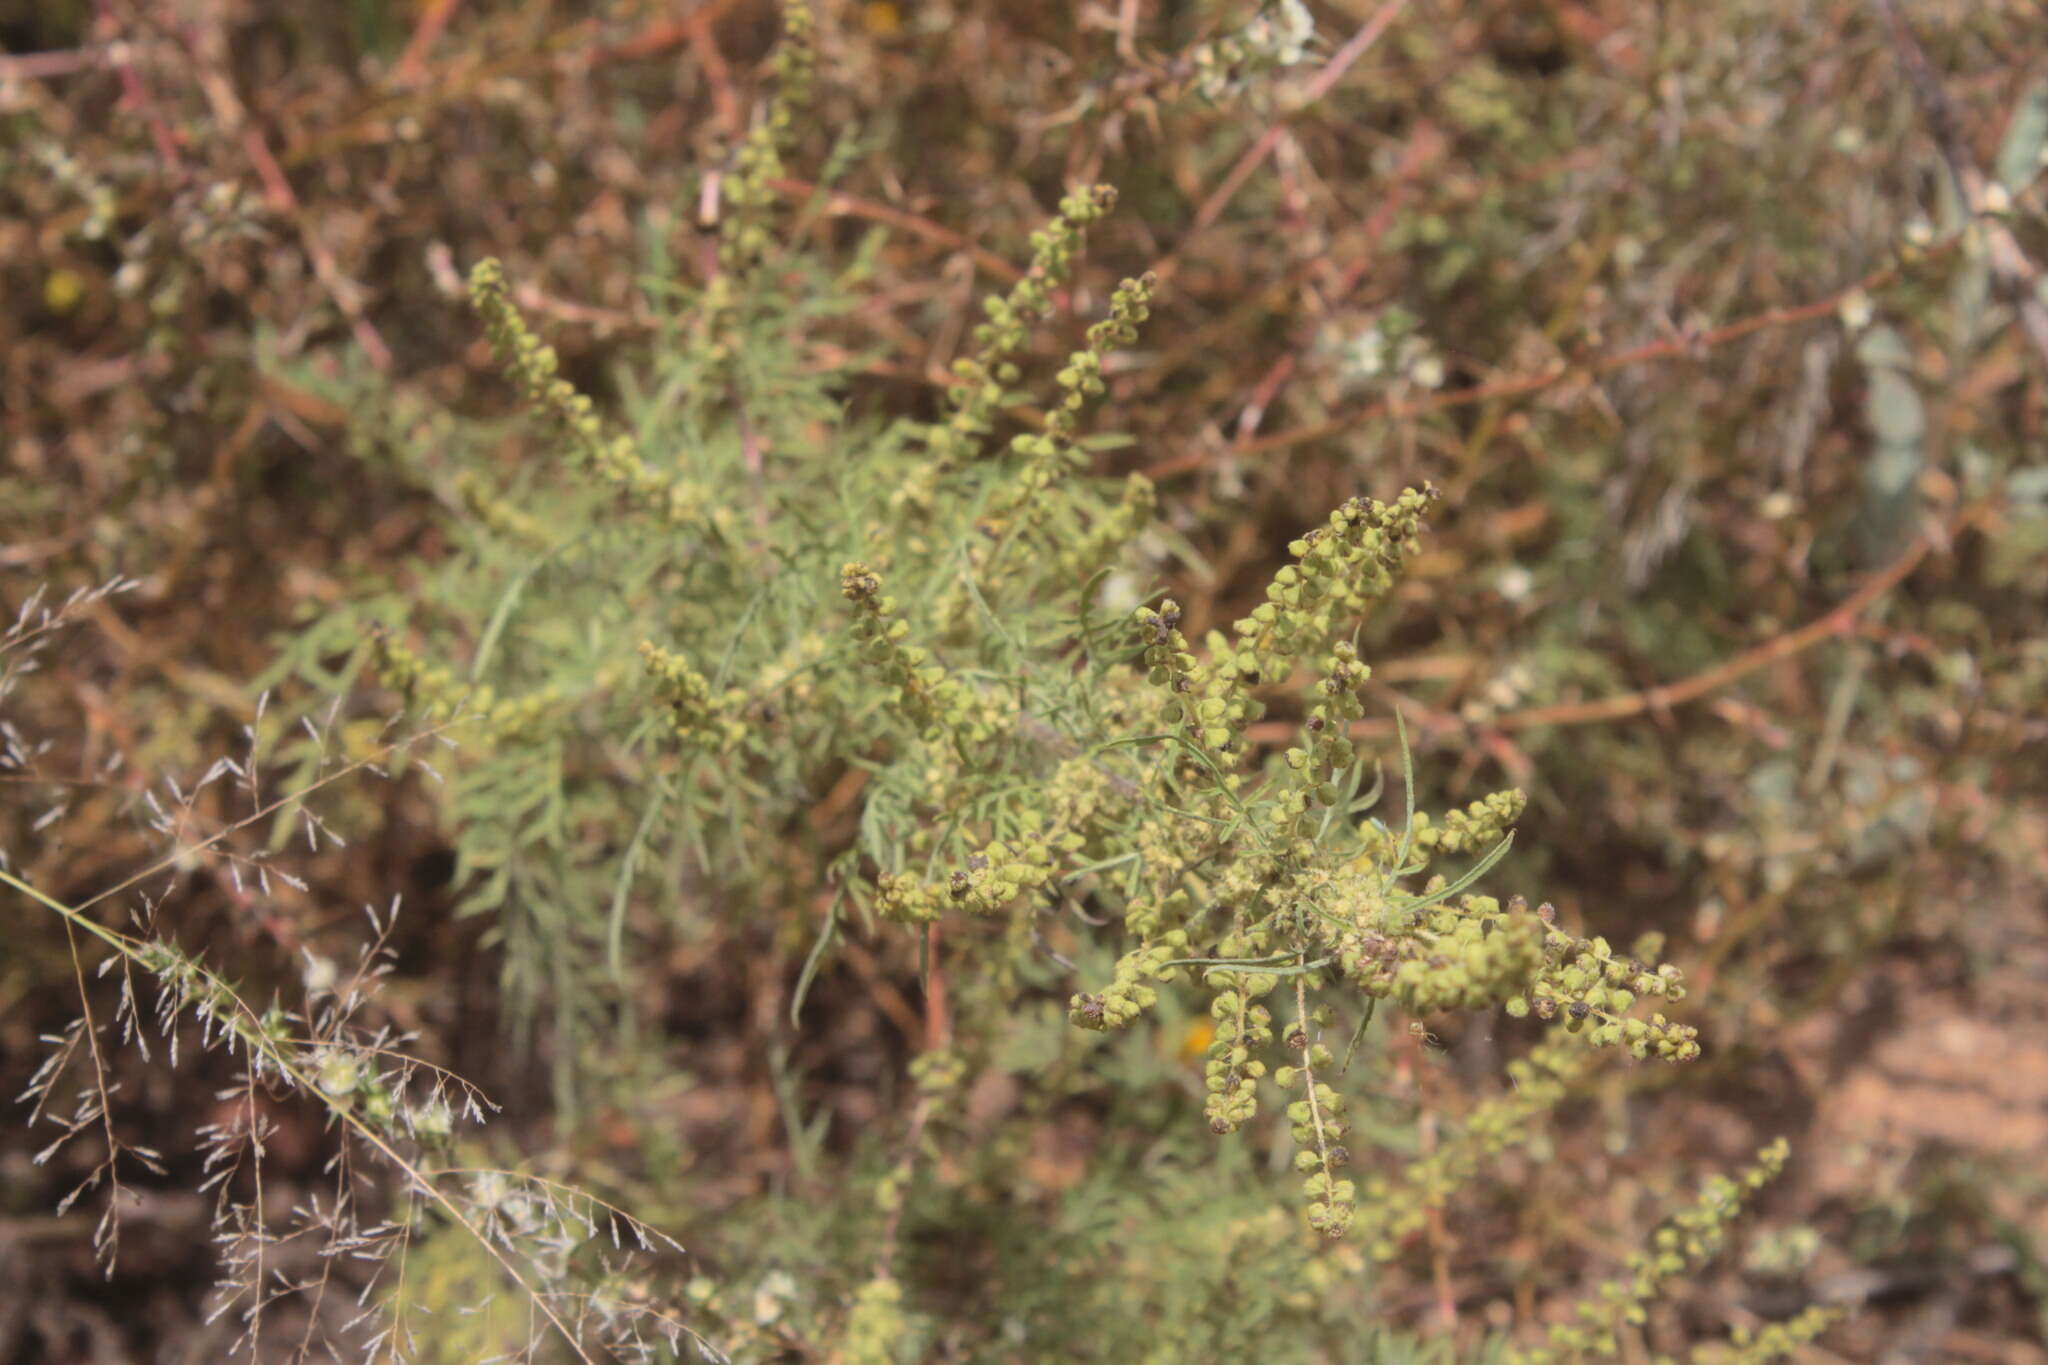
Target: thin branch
{"x": 1255, "y": 156}
{"x": 838, "y": 203}
{"x": 1833, "y": 623}
{"x": 412, "y": 63}
{"x": 1519, "y": 386}
{"x": 37, "y": 66}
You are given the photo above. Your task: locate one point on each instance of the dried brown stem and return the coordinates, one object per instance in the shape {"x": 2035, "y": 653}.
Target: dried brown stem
{"x": 1255, "y": 156}
{"x": 1520, "y": 386}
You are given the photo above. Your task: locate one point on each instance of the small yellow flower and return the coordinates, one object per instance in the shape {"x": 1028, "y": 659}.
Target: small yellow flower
{"x": 63, "y": 291}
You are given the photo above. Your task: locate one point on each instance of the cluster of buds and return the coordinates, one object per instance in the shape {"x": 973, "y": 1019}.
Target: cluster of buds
{"x": 501, "y": 515}
{"x": 906, "y": 900}
{"x": 1081, "y": 556}
{"x": 938, "y": 1074}
{"x": 1276, "y": 38}
{"x": 747, "y": 192}
{"x": 535, "y": 368}
{"x": 1232, "y": 1071}
{"x": 877, "y": 1324}
{"x": 700, "y": 719}
{"x": 1081, "y": 380}
{"x": 1130, "y": 993}
{"x": 934, "y": 701}
{"x": 1330, "y": 750}
{"x": 1000, "y": 873}
{"x": 1148, "y": 915}
{"x": 1592, "y": 988}
{"x": 991, "y": 880}
{"x": 1391, "y": 1211}
{"x": 1050, "y": 454}
{"x": 1779, "y": 1340}
{"x": 1468, "y": 957}
{"x": 1475, "y": 829}
{"x": 1212, "y": 717}
{"x": 440, "y": 697}
{"x": 1318, "y": 1125}
{"x": 983, "y": 377}
{"x": 1339, "y": 567}
{"x": 1685, "y": 1242}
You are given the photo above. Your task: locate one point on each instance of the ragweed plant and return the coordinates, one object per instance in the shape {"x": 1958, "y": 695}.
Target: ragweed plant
{"x": 1010, "y": 792}
{"x": 655, "y": 653}
{"x": 912, "y": 768}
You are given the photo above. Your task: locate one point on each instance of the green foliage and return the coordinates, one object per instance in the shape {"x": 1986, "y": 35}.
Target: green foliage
{"x": 1004, "y": 769}
{"x": 725, "y": 656}
{"x": 812, "y": 593}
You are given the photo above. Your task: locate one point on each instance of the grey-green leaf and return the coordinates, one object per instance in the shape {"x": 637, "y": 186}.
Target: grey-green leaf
{"x": 2026, "y": 138}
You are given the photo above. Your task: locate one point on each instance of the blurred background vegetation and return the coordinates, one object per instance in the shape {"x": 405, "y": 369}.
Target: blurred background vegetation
{"x": 1716, "y": 323}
